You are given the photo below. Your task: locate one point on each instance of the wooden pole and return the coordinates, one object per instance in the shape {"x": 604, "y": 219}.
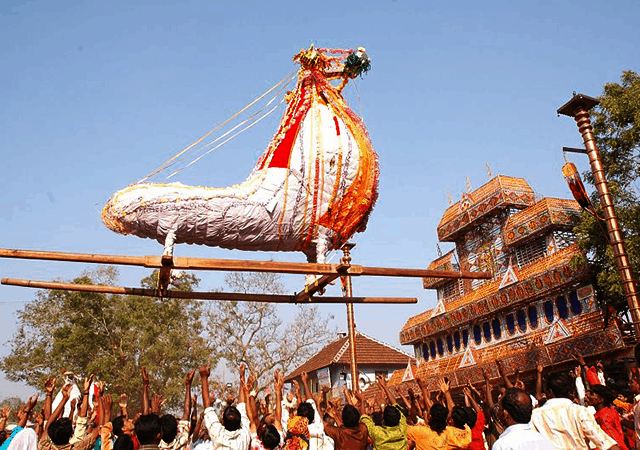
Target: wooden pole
{"x": 578, "y": 108}
{"x": 199, "y": 295}
{"x": 184, "y": 263}
{"x": 351, "y": 321}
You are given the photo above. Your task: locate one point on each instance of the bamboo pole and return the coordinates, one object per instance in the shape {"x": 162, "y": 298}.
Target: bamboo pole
{"x": 274, "y": 298}
{"x": 185, "y": 263}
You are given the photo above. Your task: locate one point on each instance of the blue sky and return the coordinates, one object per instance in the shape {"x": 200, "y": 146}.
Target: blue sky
{"x": 95, "y": 95}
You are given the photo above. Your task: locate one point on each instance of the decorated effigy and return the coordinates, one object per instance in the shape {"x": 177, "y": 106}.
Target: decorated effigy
{"x": 310, "y": 191}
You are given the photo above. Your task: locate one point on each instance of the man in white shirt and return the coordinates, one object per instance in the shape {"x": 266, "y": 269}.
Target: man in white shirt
{"x": 567, "y": 424}
{"x": 515, "y": 408}
{"x": 233, "y": 433}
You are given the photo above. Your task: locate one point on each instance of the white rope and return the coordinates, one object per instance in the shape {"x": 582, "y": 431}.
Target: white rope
{"x": 230, "y": 138}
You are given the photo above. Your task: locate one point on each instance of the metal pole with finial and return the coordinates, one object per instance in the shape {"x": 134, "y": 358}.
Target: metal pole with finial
{"x": 346, "y": 260}
{"x": 578, "y": 108}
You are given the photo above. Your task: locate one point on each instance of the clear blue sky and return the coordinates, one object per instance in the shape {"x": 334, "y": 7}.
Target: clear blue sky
{"x": 95, "y": 95}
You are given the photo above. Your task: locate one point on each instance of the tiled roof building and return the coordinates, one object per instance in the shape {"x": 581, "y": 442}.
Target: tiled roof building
{"x": 373, "y": 357}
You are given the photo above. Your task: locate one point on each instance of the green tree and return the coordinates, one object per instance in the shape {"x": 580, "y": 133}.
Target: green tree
{"x": 616, "y": 125}
{"x": 254, "y": 333}
{"x": 112, "y": 336}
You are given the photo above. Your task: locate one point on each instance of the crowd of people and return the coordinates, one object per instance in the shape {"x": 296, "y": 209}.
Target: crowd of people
{"x": 579, "y": 409}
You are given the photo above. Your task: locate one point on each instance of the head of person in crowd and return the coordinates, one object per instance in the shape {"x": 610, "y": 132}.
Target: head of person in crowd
{"x": 267, "y": 419}
{"x": 270, "y": 437}
{"x": 459, "y": 417}
{"x": 148, "y": 429}
{"x": 350, "y": 416}
{"x": 123, "y": 442}
{"x": 60, "y": 431}
{"x": 438, "y": 416}
{"x": 328, "y": 420}
{"x": 231, "y": 419}
{"x": 472, "y": 416}
{"x": 118, "y": 423}
{"x": 600, "y": 396}
{"x": 169, "y": 426}
{"x": 376, "y": 416}
{"x": 559, "y": 385}
{"x": 516, "y": 406}
{"x": 390, "y": 416}
{"x": 297, "y": 433}
{"x": 3, "y": 436}
{"x": 26, "y": 439}
{"x": 306, "y": 410}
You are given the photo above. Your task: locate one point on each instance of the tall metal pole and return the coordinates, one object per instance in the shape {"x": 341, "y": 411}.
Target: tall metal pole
{"x": 578, "y": 108}
{"x": 346, "y": 260}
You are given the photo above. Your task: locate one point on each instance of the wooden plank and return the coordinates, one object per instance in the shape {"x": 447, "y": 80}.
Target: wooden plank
{"x": 231, "y": 296}
{"x": 184, "y": 263}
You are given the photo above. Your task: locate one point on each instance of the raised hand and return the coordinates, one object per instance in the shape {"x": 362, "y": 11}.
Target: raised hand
{"x": 87, "y": 383}
{"x": 188, "y": 378}
{"x": 145, "y": 376}
{"x": 205, "y": 371}
{"x": 122, "y": 403}
{"x": 50, "y": 385}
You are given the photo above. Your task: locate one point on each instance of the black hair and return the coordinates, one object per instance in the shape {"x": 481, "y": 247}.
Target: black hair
{"x": 350, "y": 416}
{"x": 270, "y": 437}
{"x": 560, "y": 383}
{"x": 518, "y": 404}
{"x": 306, "y": 410}
{"x": 169, "y": 426}
{"x": 123, "y": 442}
{"x": 391, "y": 416}
{"x": 459, "y": 416}
{"x": 438, "y": 416}
{"x": 118, "y": 423}
{"x": 472, "y": 416}
{"x": 60, "y": 431}
{"x": 376, "y": 416}
{"x": 231, "y": 418}
{"x": 147, "y": 428}
{"x": 603, "y": 391}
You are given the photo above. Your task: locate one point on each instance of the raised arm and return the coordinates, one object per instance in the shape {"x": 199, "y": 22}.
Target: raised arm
{"x": 66, "y": 393}
{"x": 188, "y": 380}
{"x": 503, "y": 375}
{"x": 383, "y": 385}
{"x": 444, "y": 387}
{"x": 145, "y": 392}
{"x": 49, "y": 387}
{"x": 205, "y": 371}
{"x": 122, "y": 403}
{"x": 469, "y": 396}
{"x": 539, "y": 370}
{"x": 278, "y": 384}
{"x": 85, "y": 396}
{"x": 28, "y": 407}
{"x": 305, "y": 386}
{"x": 487, "y": 388}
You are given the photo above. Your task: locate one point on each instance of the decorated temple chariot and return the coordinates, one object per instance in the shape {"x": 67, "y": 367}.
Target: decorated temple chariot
{"x": 539, "y": 306}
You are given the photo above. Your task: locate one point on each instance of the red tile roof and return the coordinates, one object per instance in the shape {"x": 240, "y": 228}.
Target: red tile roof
{"x": 369, "y": 352}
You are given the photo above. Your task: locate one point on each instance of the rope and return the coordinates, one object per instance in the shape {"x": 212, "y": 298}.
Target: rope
{"x": 227, "y": 140}
{"x": 170, "y": 161}
{"x": 233, "y": 129}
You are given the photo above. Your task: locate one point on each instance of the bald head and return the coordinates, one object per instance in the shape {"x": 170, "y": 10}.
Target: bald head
{"x": 517, "y": 403}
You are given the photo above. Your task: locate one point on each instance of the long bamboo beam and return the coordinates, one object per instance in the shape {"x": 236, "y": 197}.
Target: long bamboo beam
{"x": 185, "y": 263}
{"x": 231, "y": 296}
